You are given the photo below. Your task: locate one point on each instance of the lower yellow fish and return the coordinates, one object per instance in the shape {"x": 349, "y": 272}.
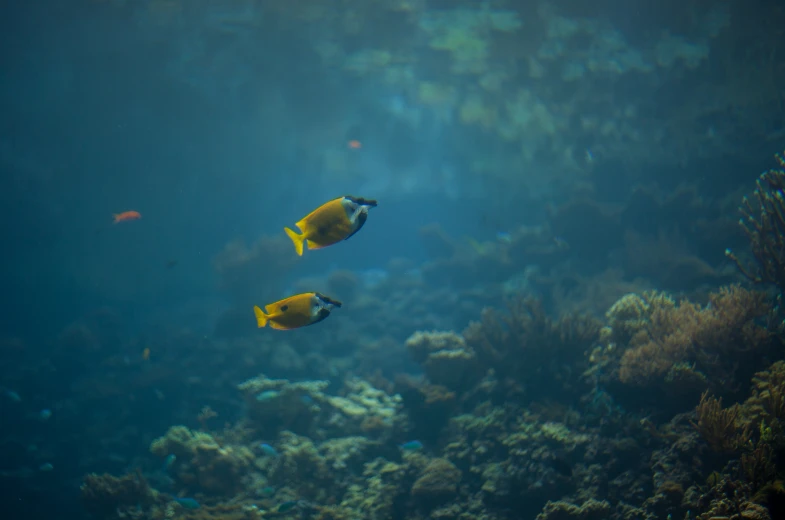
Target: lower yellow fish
{"x": 331, "y": 222}
{"x": 296, "y": 311}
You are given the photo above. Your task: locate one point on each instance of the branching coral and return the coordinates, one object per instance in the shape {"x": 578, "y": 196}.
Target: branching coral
{"x": 376, "y": 500}
{"x": 428, "y": 406}
{"x": 758, "y": 465}
{"x": 202, "y": 462}
{"x": 768, "y": 394}
{"x": 631, "y": 313}
{"x": 437, "y": 483}
{"x": 526, "y": 346}
{"x": 104, "y": 494}
{"x": 589, "y": 510}
{"x": 446, "y": 358}
{"x": 278, "y": 404}
{"x": 703, "y": 336}
{"x": 205, "y": 414}
{"x": 720, "y": 427}
{"x": 302, "y": 467}
{"x": 731, "y": 500}
{"x": 764, "y": 223}
{"x": 753, "y": 429}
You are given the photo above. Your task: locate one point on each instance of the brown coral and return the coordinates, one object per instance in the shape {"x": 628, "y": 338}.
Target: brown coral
{"x": 704, "y": 336}
{"x": 758, "y": 465}
{"x": 104, "y": 494}
{"x": 764, "y": 223}
{"x": 429, "y": 406}
{"x": 446, "y": 358}
{"x": 720, "y": 427}
{"x": 731, "y": 500}
{"x": 526, "y": 346}
{"x": 768, "y": 394}
{"x": 202, "y": 461}
{"x": 302, "y": 467}
{"x": 437, "y": 483}
{"x": 589, "y": 510}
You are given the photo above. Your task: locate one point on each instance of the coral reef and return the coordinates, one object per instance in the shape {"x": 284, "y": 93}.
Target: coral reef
{"x": 303, "y": 407}
{"x": 589, "y": 510}
{"x": 104, "y": 494}
{"x": 453, "y": 62}
{"x": 731, "y": 499}
{"x": 720, "y": 427}
{"x": 768, "y": 396}
{"x": 201, "y": 463}
{"x": 437, "y": 483}
{"x": 446, "y": 358}
{"x": 526, "y": 348}
{"x": 471, "y": 438}
{"x": 664, "y": 408}
{"x": 536, "y": 111}
{"x": 764, "y": 223}
{"x": 379, "y": 496}
{"x": 683, "y": 349}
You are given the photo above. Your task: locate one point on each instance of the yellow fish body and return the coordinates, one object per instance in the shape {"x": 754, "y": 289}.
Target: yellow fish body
{"x": 296, "y": 311}
{"x": 331, "y": 222}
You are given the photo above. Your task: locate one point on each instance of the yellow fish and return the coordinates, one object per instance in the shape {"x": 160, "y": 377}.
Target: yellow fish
{"x": 331, "y": 222}
{"x": 296, "y": 311}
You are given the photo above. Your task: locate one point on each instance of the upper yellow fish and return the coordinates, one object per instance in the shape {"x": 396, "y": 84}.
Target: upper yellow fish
{"x": 296, "y": 311}
{"x": 331, "y": 222}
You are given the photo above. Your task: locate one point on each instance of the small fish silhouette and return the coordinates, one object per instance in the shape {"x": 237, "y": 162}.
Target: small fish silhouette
{"x": 412, "y": 446}
{"x": 126, "y": 215}
{"x": 268, "y": 450}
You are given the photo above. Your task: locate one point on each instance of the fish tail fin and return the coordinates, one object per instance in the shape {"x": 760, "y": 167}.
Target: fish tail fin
{"x": 297, "y": 239}
{"x": 115, "y": 218}
{"x": 261, "y": 317}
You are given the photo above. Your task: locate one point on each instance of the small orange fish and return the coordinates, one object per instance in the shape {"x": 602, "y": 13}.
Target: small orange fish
{"x": 126, "y": 215}
{"x": 146, "y": 354}
{"x": 354, "y": 144}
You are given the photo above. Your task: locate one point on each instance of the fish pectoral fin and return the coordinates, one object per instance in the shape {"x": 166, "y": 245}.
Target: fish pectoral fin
{"x": 313, "y": 245}
{"x": 261, "y": 317}
{"x": 297, "y": 239}
{"x": 278, "y": 326}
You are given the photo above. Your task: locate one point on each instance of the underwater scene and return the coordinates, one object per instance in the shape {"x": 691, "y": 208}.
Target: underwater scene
{"x": 392, "y": 259}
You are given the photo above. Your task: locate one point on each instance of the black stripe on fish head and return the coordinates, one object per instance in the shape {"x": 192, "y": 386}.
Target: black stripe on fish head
{"x": 359, "y": 221}
{"x": 327, "y": 300}
{"x": 321, "y": 315}
{"x": 361, "y": 201}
